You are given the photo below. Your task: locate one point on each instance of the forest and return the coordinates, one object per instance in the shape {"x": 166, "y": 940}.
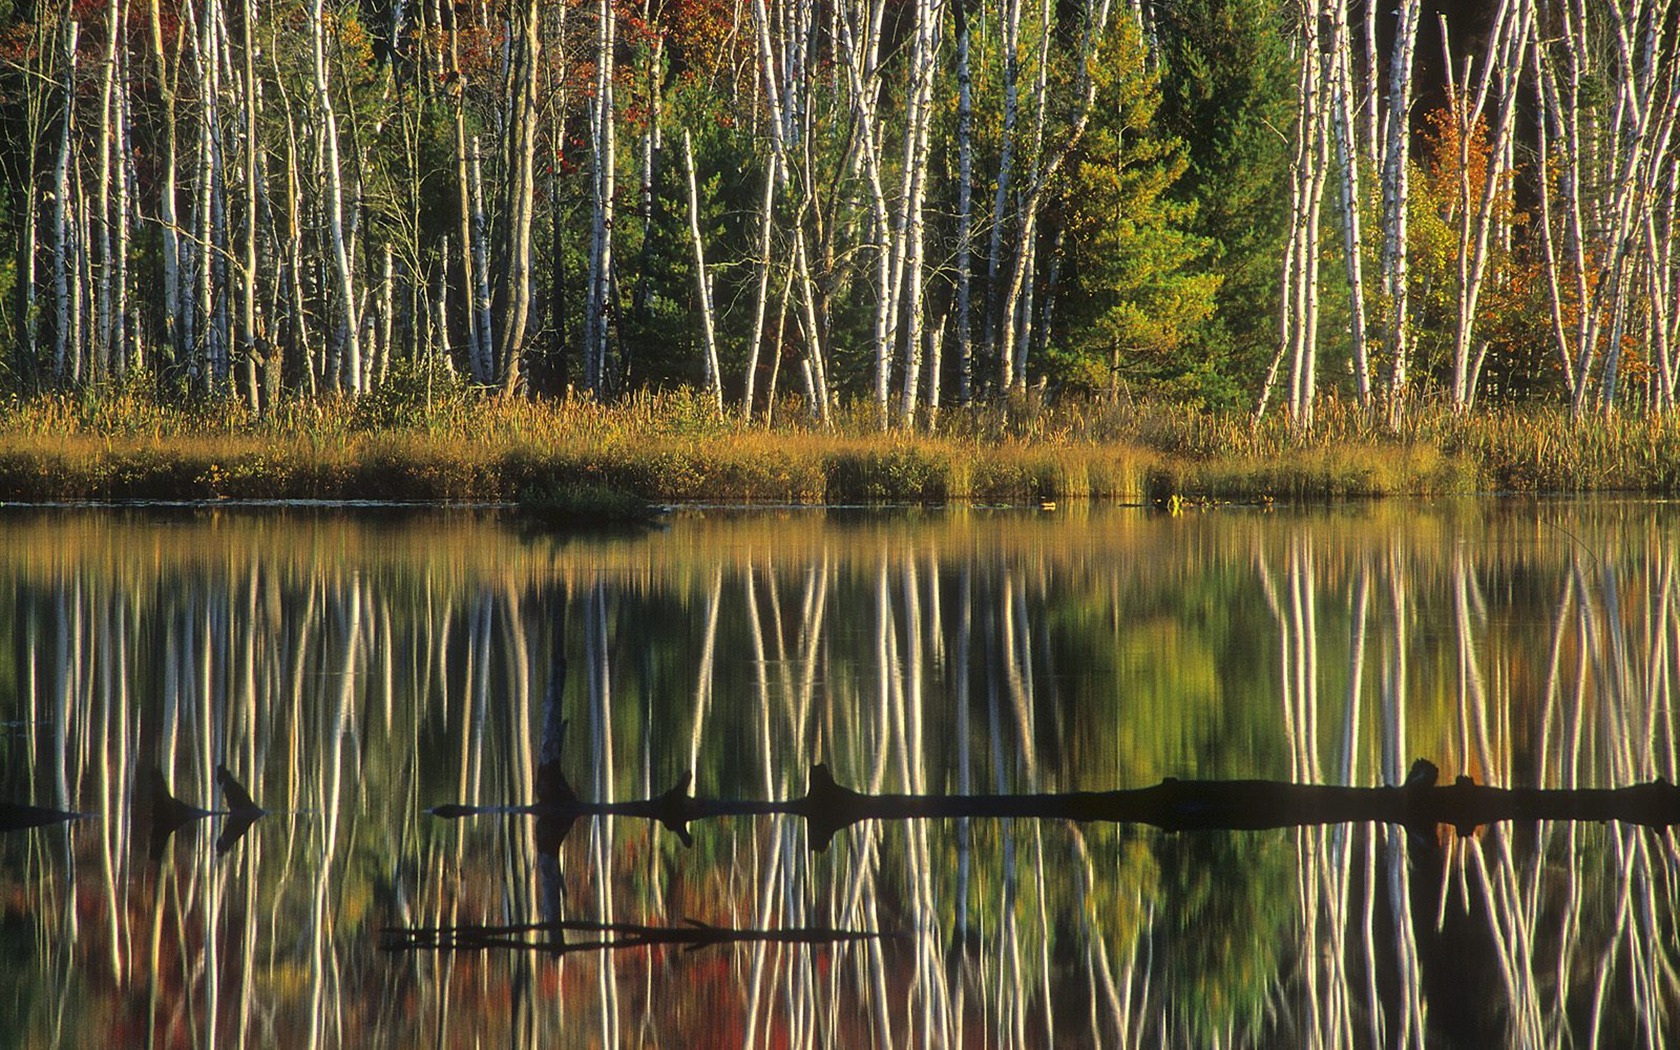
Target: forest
{"x": 1234, "y": 205}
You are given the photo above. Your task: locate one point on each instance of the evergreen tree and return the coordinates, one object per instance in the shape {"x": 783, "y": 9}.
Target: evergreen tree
{"x": 1228, "y": 92}
{"x": 1132, "y": 284}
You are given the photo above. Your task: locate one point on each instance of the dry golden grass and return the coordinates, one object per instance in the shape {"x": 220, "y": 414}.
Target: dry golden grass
{"x": 675, "y": 447}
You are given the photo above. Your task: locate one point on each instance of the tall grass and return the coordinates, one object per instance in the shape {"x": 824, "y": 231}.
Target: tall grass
{"x": 442, "y": 442}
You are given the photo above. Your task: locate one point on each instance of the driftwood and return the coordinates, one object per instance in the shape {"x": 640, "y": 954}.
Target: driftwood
{"x": 1419, "y": 804}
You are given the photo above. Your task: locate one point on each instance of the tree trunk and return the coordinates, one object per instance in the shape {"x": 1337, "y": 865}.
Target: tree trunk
{"x": 965, "y": 211}
{"x": 66, "y": 358}
{"x": 714, "y": 384}
{"x": 1396, "y": 193}
{"x": 1502, "y": 63}
{"x": 335, "y": 204}
{"x": 516, "y": 297}
{"x": 597, "y": 306}
{"x": 1349, "y": 159}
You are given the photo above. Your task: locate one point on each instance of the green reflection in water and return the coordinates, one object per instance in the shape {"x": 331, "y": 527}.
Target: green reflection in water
{"x": 354, "y": 670}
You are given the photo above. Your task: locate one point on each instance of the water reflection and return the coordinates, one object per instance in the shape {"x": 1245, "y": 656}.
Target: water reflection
{"x": 351, "y": 673}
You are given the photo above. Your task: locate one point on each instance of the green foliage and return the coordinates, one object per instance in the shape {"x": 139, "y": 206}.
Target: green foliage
{"x": 1228, "y": 93}
{"x": 1135, "y": 293}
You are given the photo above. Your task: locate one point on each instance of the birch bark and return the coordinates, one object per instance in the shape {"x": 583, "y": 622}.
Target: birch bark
{"x": 1397, "y": 163}
{"x": 335, "y": 204}
{"x": 714, "y": 383}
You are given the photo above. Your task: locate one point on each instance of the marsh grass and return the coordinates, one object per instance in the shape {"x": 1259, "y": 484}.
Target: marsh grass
{"x": 444, "y": 443}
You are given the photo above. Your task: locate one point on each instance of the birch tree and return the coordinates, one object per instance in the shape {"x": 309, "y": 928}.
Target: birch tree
{"x": 351, "y": 375}
{"x": 1491, "y": 98}
{"x": 1396, "y": 185}
{"x": 603, "y": 162}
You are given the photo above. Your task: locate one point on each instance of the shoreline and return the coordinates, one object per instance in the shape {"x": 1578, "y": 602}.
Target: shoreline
{"x": 663, "y": 450}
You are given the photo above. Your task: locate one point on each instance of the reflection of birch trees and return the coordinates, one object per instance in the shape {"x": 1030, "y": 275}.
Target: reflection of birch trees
{"x": 1605, "y": 720}
{"x": 352, "y": 687}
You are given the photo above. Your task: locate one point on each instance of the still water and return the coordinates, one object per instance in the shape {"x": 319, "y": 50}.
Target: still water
{"x": 353, "y": 670}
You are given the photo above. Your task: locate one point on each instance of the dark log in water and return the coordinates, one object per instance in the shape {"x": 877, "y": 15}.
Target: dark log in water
{"x": 165, "y": 814}
{"x": 243, "y": 810}
{"x": 596, "y": 936}
{"x": 14, "y": 816}
{"x": 1174, "y": 805}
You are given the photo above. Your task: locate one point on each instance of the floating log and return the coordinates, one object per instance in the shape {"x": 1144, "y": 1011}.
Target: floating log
{"x": 1419, "y": 804}
{"x": 15, "y": 816}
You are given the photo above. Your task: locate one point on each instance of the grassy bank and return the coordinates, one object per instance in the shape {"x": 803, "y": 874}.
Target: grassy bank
{"x": 675, "y": 448}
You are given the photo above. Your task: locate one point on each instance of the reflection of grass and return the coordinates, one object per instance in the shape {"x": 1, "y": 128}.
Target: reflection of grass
{"x": 583, "y": 504}
{"x": 429, "y": 442}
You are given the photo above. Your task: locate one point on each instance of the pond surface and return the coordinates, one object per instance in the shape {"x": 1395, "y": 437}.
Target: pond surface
{"x": 354, "y": 670}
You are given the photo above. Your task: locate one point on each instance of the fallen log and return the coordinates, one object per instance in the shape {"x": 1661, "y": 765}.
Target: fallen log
{"x": 1420, "y": 804}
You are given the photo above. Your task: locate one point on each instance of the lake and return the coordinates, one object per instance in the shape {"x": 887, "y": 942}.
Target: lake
{"x": 353, "y": 670}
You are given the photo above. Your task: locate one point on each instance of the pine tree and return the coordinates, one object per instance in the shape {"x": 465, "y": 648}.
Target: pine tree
{"x": 1129, "y": 285}
{"x": 1228, "y": 91}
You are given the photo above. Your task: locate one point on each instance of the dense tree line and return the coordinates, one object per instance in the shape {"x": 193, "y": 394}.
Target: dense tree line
{"x": 912, "y": 202}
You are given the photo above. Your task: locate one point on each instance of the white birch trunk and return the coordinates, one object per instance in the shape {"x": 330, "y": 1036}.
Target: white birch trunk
{"x": 104, "y": 327}
{"x": 1501, "y": 65}
{"x": 761, "y": 302}
{"x": 597, "y": 306}
{"x": 865, "y": 86}
{"x": 714, "y": 384}
{"x": 485, "y": 368}
{"x": 1397, "y": 160}
{"x": 477, "y": 348}
{"x": 1349, "y": 159}
{"x": 965, "y": 211}
{"x": 168, "y": 220}
{"x": 815, "y": 373}
{"x": 250, "y": 351}
{"x": 516, "y": 300}
{"x": 929, "y": 14}
{"x": 335, "y": 204}
{"x": 1015, "y": 332}
{"x": 207, "y": 233}
{"x": 1009, "y": 23}
{"x": 64, "y": 354}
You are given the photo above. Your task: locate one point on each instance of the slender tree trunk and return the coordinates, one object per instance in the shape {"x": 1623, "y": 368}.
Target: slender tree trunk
{"x": 209, "y": 239}
{"x": 102, "y": 358}
{"x": 814, "y": 369}
{"x": 1349, "y": 159}
{"x": 168, "y": 220}
{"x": 484, "y": 371}
{"x": 652, "y": 142}
{"x": 864, "y": 80}
{"x": 335, "y": 204}
{"x": 1502, "y": 64}
{"x": 66, "y": 368}
{"x": 929, "y": 14}
{"x": 1546, "y": 127}
{"x": 1397, "y": 162}
{"x": 252, "y": 352}
{"x": 516, "y": 298}
{"x": 1009, "y": 23}
{"x": 1012, "y": 370}
{"x": 603, "y": 113}
{"x": 965, "y": 209}
{"x": 477, "y": 345}
{"x": 714, "y": 384}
